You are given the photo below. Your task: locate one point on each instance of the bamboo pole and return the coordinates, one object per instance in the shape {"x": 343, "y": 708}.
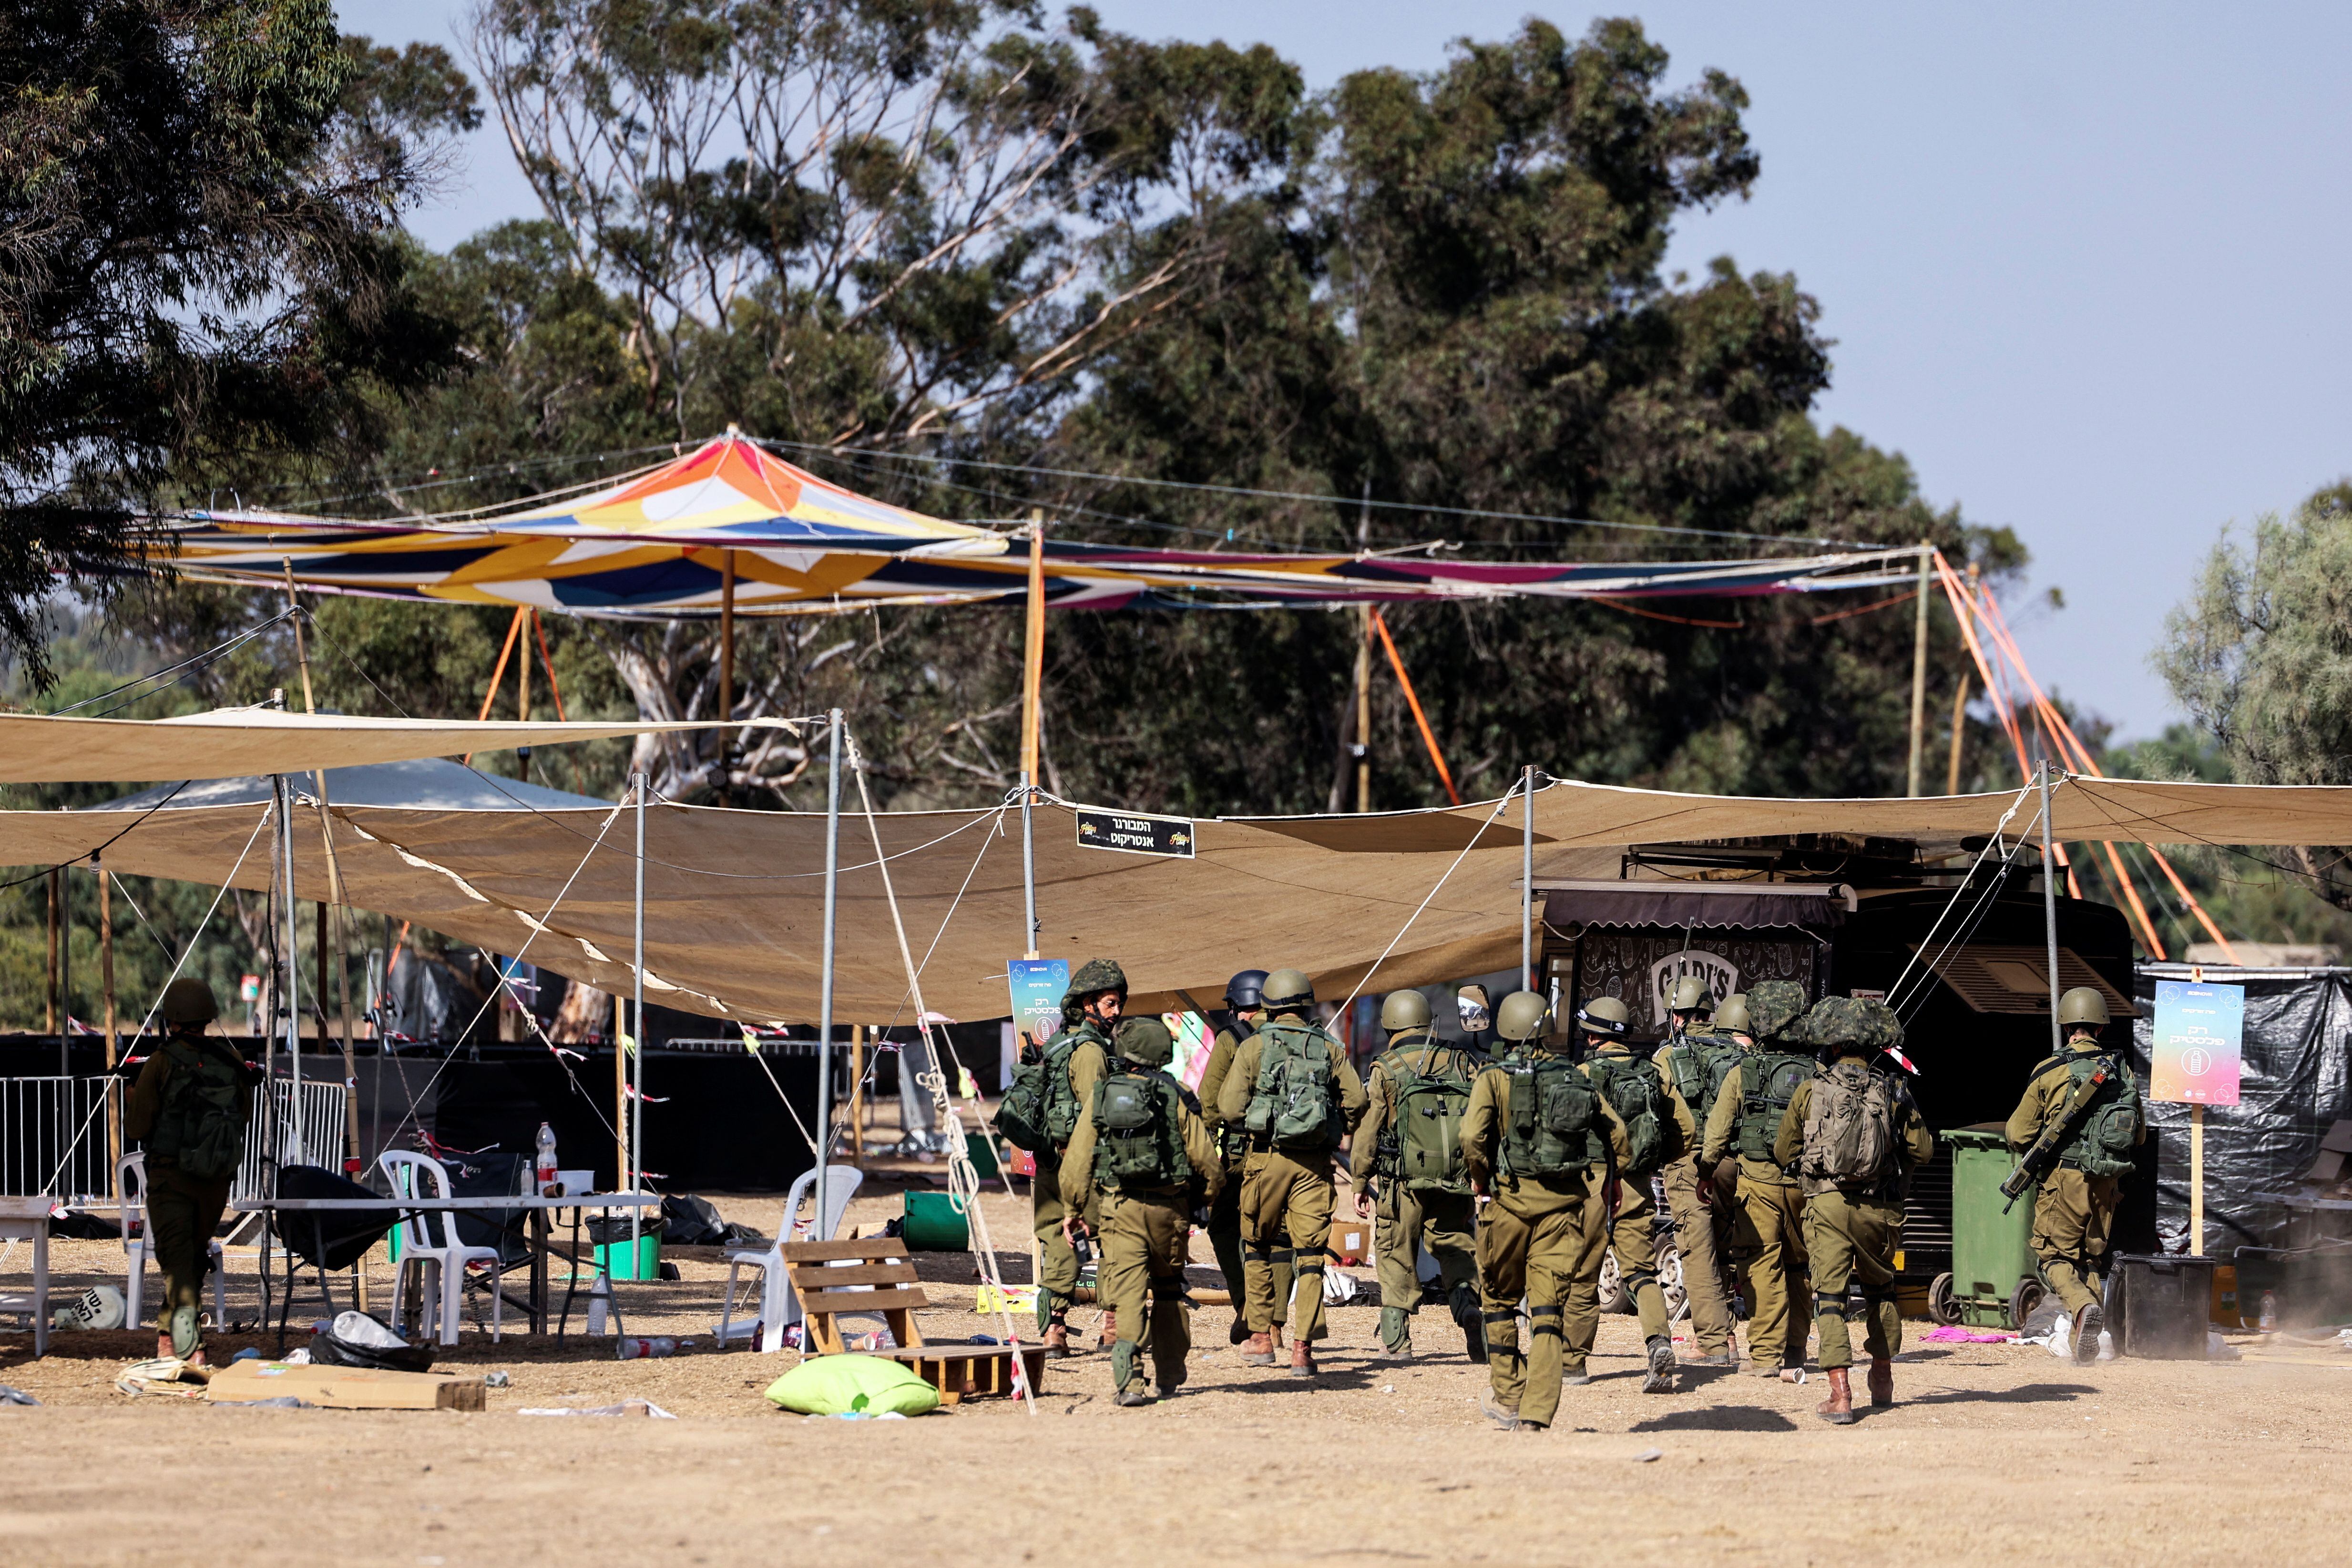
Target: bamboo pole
{"x": 522, "y": 698}
{"x": 57, "y": 905}
{"x": 1364, "y": 708}
{"x": 1919, "y": 678}
{"x": 857, "y": 1095}
{"x": 726, "y": 635}
{"x": 1959, "y": 728}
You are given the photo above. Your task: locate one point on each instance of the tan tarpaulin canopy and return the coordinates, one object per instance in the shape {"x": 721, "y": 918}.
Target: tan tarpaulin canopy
{"x": 734, "y": 898}
{"x": 40, "y": 749}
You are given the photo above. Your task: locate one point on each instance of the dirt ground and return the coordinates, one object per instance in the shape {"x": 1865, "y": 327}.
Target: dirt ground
{"x": 1993, "y": 1454}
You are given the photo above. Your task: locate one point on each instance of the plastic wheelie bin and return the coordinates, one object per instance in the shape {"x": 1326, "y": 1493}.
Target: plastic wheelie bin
{"x": 1995, "y": 1282}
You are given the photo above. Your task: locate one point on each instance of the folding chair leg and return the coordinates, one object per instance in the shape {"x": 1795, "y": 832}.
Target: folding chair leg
{"x": 775, "y": 1305}
{"x": 727, "y": 1306}
{"x": 135, "y": 1297}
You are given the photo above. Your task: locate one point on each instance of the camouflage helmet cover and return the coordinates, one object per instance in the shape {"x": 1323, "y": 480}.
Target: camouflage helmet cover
{"x": 1852, "y": 1024}
{"x": 1773, "y": 1005}
{"x": 1145, "y": 1039}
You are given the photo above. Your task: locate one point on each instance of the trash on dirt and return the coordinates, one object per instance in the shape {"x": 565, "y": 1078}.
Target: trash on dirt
{"x": 99, "y": 1306}
{"x": 168, "y": 1376}
{"x": 497, "y": 1380}
{"x": 1649, "y": 1456}
{"x": 1952, "y": 1333}
{"x": 627, "y": 1407}
{"x": 283, "y": 1402}
{"x": 16, "y": 1397}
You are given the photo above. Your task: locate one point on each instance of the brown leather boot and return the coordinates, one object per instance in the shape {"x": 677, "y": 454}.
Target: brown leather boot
{"x": 1109, "y": 1335}
{"x": 1257, "y": 1351}
{"x": 1057, "y": 1341}
{"x": 1302, "y": 1360}
{"x": 1838, "y": 1408}
{"x": 1882, "y": 1381}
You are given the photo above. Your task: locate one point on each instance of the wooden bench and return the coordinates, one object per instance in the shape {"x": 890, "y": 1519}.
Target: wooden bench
{"x": 876, "y": 1275}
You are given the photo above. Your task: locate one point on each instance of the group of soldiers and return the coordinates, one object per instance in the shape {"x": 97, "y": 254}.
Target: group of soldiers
{"x": 1776, "y": 1131}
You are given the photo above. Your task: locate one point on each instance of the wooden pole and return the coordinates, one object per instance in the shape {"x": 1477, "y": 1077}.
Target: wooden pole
{"x": 1959, "y": 728}
{"x": 522, "y": 704}
{"x": 1364, "y": 708}
{"x": 857, "y": 1095}
{"x": 106, "y": 986}
{"x": 2196, "y": 1180}
{"x": 726, "y": 635}
{"x": 1920, "y": 678}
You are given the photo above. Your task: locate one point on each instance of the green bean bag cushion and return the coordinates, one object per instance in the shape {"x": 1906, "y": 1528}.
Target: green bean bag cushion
{"x": 862, "y": 1385}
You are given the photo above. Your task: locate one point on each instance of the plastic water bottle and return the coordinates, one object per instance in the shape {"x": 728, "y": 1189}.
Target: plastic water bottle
{"x": 544, "y": 1164}
{"x": 632, "y": 1347}
{"x": 2268, "y": 1321}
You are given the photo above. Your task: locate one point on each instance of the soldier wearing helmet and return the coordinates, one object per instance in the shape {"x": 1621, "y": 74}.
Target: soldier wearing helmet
{"x": 1075, "y": 1058}
{"x": 1743, "y": 1121}
{"x": 1406, "y": 1161}
{"x": 1293, "y": 1095}
{"x": 190, "y": 1106}
{"x": 2074, "y": 1213}
{"x": 1624, "y": 1226}
{"x": 1693, "y": 1061}
{"x": 1245, "y": 1010}
{"x": 1539, "y": 1141}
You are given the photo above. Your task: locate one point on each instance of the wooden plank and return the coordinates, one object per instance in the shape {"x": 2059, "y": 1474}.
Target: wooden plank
{"x": 820, "y": 1251}
{"x": 834, "y": 1277}
{"x": 343, "y": 1388}
{"x": 816, "y": 1301}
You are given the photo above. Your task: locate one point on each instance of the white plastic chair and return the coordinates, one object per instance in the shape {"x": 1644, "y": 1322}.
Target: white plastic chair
{"x": 130, "y": 1180}
{"x": 780, "y": 1306}
{"x": 440, "y": 1265}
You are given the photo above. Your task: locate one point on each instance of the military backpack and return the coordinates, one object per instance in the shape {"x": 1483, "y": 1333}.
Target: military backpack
{"x": 1850, "y": 1132}
{"x": 1699, "y": 1064}
{"x": 1556, "y": 1126}
{"x": 2105, "y": 1133}
{"x": 199, "y": 1125}
{"x": 1639, "y": 1097}
{"x": 1424, "y": 1144}
{"x": 1139, "y": 1136}
{"x": 1768, "y": 1081}
{"x": 1295, "y": 1106}
{"x": 1040, "y": 1109}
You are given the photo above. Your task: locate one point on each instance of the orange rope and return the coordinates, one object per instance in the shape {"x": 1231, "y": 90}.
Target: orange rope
{"x": 539, "y": 627}
{"x": 514, "y": 628}
{"x": 1381, "y": 624}
{"x": 1907, "y": 593}
{"x": 1616, "y": 604}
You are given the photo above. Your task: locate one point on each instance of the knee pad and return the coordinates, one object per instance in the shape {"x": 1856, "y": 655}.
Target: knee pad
{"x": 1312, "y": 1266}
{"x": 1284, "y": 1253}
{"x": 1257, "y": 1252}
{"x": 1633, "y": 1282}
{"x": 1544, "y": 1320}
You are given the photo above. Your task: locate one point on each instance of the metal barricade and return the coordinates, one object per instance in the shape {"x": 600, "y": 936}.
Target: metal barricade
{"x": 53, "y": 1136}
{"x": 311, "y": 1130}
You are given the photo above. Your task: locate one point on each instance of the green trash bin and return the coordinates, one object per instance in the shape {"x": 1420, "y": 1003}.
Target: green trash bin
{"x": 1995, "y": 1281}
{"x": 934, "y": 1224}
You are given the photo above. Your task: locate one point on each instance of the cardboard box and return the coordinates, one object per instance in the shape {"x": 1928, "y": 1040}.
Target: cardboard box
{"x": 1351, "y": 1240}
{"x": 344, "y": 1388}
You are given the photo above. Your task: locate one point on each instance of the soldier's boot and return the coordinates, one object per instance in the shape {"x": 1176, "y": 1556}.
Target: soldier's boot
{"x": 1573, "y": 1375}
{"x": 1882, "y": 1381}
{"x": 1501, "y": 1415}
{"x": 2089, "y": 1322}
{"x": 1661, "y": 1379}
{"x": 1396, "y": 1334}
{"x": 184, "y": 1339}
{"x": 1128, "y": 1377}
{"x": 1838, "y": 1408}
{"x": 1302, "y": 1359}
{"x": 1109, "y": 1335}
{"x": 1469, "y": 1317}
{"x": 1257, "y": 1351}
{"x": 1058, "y": 1337}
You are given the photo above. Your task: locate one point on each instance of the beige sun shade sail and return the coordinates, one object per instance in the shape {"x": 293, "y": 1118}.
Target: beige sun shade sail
{"x": 41, "y": 749}
{"x": 735, "y": 899}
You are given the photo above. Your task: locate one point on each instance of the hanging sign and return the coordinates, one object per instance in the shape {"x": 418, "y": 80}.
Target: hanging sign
{"x": 2196, "y": 1042}
{"x": 1037, "y": 987}
{"x": 1136, "y": 834}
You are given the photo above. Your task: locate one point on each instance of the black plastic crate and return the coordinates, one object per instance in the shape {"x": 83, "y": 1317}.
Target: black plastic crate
{"x": 2160, "y": 1306}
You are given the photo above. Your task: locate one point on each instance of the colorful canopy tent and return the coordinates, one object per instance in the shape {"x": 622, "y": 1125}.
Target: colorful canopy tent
{"x": 733, "y": 899}
{"x": 733, "y": 522}
{"x": 419, "y": 783}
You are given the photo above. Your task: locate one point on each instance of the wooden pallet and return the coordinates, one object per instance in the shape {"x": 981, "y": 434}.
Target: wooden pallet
{"x": 874, "y": 1275}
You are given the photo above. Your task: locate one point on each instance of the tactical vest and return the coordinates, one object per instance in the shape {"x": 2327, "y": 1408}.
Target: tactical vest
{"x": 1639, "y": 1097}
{"x": 2103, "y": 1138}
{"x": 1555, "y": 1127}
{"x": 1699, "y": 1064}
{"x": 1040, "y": 1109}
{"x": 1295, "y": 1103}
{"x": 1421, "y": 1146}
{"x": 1768, "y": 1081}
{"x": 199, "y": 1125}
{"x": 1852, "y": 1136}
{"x": 1139, "y": 1134}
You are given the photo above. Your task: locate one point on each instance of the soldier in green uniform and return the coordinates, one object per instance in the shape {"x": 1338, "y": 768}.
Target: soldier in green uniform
{"x": 1692, "y": 1061}
{"x": 1624, "y": 1221}
{"x": 1246, "y": 1009}
{"x": 2074, "y": 1213}
{"x": 1295, "y": 1095}
{"x": 1406, "y": 1161}
{"x": 1137, "y": 1158}
{"x": 1744, "y": 1120}
{"x": 1853, "y": 1137}
{"x": 1073, "y": 1062}
{"x": 190, "y": 1106}
{"x": 1539, "y": 1141}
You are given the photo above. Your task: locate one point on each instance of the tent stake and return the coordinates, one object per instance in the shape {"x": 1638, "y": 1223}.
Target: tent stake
{"x": 825, "y": 977}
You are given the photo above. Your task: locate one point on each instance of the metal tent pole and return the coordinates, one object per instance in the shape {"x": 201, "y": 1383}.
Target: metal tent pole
{"x": 2050, "y": 909}
{"x": 1527, "y": 882}
{"x": 637, "y": 1101}
{"x": 293, "y": 995}
{"x": 824, "y": 978}
{"x": 1917, "y": 771}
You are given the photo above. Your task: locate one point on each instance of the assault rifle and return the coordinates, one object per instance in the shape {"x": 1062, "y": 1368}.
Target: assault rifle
{"x": 2037, "y": 1160}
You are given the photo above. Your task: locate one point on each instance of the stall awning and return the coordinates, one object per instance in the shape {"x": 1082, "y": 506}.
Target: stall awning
{"x": 1659, "y": 902}
{"x": 1999, "y": 978}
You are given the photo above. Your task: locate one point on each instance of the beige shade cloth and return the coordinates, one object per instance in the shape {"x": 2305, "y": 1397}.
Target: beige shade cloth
{"x": 41, "y": 749}
{"x": 735, "y": 899}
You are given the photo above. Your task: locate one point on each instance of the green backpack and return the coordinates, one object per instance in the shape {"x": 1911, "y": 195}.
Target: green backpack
{"x": 2104, "y": 1138}
{"x": 1040, "y": 1110}
{"x": 1639, "y": 1097}
{"x": 1139, "y": 1142}
{"x": 1768, "y": 1081}
{"x": 1294, "y": 1107}
{"x": 1851, "y": 1134}
{"x": 200, "y": 1126}
{"x": 1700, "y": 1063}
{"x": 1555, "y": 1126}
{"x": 1427, "y": 1131}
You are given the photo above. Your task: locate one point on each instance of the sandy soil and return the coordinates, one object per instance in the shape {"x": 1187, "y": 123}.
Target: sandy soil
{"x": 1994, "y": 1454}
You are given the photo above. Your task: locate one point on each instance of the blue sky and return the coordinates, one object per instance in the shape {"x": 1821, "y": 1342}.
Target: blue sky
{"x": 2082, "y": 264}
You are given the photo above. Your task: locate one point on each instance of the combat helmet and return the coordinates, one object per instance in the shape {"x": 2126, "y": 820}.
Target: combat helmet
{"x": 1606, "y": 1016}
{"x": 1520, "y": 1016}
{"x": 1404, "y": 1010}
{"x": 1144, "y": 1039}
{"x": 2083, "y": 1004}
{"x": 1690, "y": 995}
{"x": 1246, "y": 990}
{"x": 1731, "y": 1016}
{"x": 1773, "y": 1007}
{"x": 1289, "y": 990}
{"x": 190, "y": 1001}
{"x": 1851, "y": 1025}
{"x": 1096, "y": 974}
